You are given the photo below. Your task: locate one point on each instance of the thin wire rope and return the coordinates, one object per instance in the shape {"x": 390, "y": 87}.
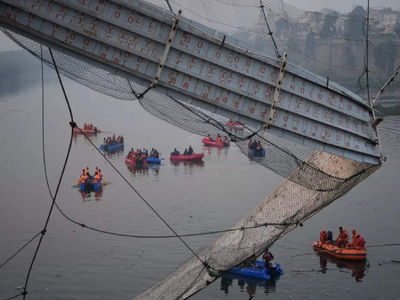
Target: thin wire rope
{"x": 142, "y": 198}
{"x": 59, "y": 181}
{"x": 4, "y": 263}
{"x": 269, "y": 30}
{"x": 14, "y": 297}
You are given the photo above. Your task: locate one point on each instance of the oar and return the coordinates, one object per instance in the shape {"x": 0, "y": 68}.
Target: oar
{"x": 105, "y": 182}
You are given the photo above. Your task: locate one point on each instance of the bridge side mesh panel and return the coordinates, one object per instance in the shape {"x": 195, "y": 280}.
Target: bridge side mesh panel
{"x": 282, "y": 156}
{"x": 331, "y": 45}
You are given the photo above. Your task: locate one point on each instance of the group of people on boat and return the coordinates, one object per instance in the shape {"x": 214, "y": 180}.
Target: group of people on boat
{"x": 219, "y": 139}
{"x": 88, "y": 126}
{"x": 187, "y": 152}
{"x": 342, "y": 241}
{"x": 113, "y": 140}
{"x": 268, "y": 258}
{"x": 257, "y": 146}
{"x": 139, "y": 155}
{"x": 86, "y": 177}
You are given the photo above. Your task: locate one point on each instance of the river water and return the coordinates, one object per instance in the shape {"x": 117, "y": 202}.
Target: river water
{"x": 75, "y": 263}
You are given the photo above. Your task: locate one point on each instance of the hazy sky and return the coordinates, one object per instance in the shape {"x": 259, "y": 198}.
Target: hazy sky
{"x": 315, "y": 5}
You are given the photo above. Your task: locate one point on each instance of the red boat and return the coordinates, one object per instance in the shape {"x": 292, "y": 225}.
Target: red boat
{"x": 133, "y": 162}
{"x": 215, "y": 143}
{"x": 237, "y": 126}
{"x": 86, "y": 130}
{"x": 193, "y": 157}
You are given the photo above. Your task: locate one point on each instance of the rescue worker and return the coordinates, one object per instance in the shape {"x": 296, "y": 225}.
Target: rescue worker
{"x": 185, "y": 153}
{"x": 323, "y": 237}
{"x": 87, "y": 171}
{"x": 343, "y": 238}
{"x": 100, "y": 174}
{"x": 229, "y": 121}
{"x": 96, "y": 177}
{"x": 209, "y": 138}
{"x": 218, "y": 138}
{"x": 83, "y": 172}
{"x": 83, "y": 178}
{"x": 226, "y": 139}
{"x": 97, "y": 170}
{"x": 155, "y": 154}
{"x": 268, "y": 257}
{"x": 84, "y": 126}
{"x": 354, "y": 239}
{"x": 190, "y": 151}
{"x": 360, "y": 242}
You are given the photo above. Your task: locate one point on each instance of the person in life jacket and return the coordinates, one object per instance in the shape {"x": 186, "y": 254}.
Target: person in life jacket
{"x": 100, "y": 174}
{"x": 87, "y": 171}
{"x": 354, "y": 239}
{"x": 97, "y": 170}
{"x": 268, "y": 258}
{"x": 226, "y": 140}
{"x": 155, "y": 154}
{"x": 323, "y": 237}
{"x": 83, "y": 178}
{"x": 190, "y": 151}
{"x": 360, "y": 242}
{"x": 229, "y": 121}
{"x": 343, "y": 238}
{"x": 175, "y": 153}
{"x": 185, "y": 153}
{"x": 83, "y": 172}
{"x": 143, "y": 155}
{"x": 96, "y": 177}
{"x": 209, "y": 138}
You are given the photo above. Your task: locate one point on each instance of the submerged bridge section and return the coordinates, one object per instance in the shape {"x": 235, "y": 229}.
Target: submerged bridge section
{"x": 153, "y": 47}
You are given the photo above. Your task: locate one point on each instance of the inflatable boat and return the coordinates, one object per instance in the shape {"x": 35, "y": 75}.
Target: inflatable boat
{"x": 134, "y": 162}
{"x": 258, "y": 271}
{"x": 106, "y": 147}
{"x": 342, "y": 253}
{"x": 215, "y": 143}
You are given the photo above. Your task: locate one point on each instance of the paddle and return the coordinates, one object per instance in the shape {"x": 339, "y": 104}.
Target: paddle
{"x": 105, "y": 182}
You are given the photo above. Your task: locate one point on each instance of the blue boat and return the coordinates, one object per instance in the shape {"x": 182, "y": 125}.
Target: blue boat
{"x": 153, "y": 160}
{"x": 111, "y": 147}
{"x": 90, "y": 186}
{"x": 253, "y": 153}
{"x": 258, "y": 271}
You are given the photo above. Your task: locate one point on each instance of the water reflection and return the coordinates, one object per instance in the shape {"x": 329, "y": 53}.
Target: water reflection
{"x": 138, "y": 170}
{"x": 208, "y": 150}
{"x": 117, "y": 153}
{"x": 78, "y": 137}
{"x": 357, "y": 269}
{"x": 87, "y": 194}
{"x": 248, "y": 285}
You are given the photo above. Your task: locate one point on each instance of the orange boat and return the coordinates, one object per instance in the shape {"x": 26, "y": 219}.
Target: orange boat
{"x": 87, "y": 130}
{"x": 342, "y": 253}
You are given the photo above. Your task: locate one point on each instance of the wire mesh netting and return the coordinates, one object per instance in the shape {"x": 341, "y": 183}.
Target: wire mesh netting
{"x": 333, "y": 46}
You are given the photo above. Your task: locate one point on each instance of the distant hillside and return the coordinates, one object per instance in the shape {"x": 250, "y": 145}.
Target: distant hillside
{"x": 19, "y": 70}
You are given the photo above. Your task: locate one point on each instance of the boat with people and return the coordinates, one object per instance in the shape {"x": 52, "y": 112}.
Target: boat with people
{"x": 87, "y": 128}
{"x": 255, "y": 149}
{"x": 235, "y": 125}
{"x": 341, "y": 248}
{"x": 219, "y": 142}
{"x": 136, "y": 162}
{"x": 258, "y": 270}
{"x": 112, "y": 143}
{"x": 88, "y": 182}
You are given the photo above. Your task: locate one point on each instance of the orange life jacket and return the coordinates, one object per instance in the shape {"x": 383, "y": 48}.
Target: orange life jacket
{"x": 100, "y": 175}
{"x": 96, "y": 178}
{"x": 219, "y": 139}
{"x": 83, "y": 178}
{"x": 134, "y": 155}
{"x": 87, "y": 171}
{"x": 323, "y": 237}
{"x": 343, "y": 235}
{"x": 360, "y": 242}
{"x": 208, "y": 138}
{"x": 143, "y": 156}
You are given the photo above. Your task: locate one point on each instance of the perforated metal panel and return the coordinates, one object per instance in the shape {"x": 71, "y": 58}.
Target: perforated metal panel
{"x": 203, "y": 67}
